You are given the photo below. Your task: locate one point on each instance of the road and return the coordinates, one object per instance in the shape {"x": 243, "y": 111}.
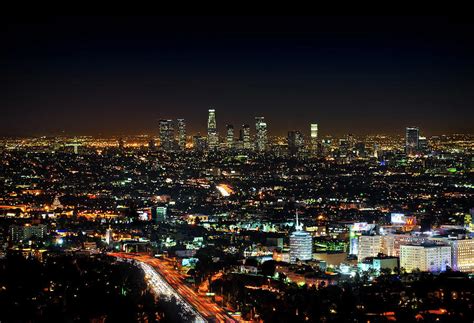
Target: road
{"x": 207, "y": 309}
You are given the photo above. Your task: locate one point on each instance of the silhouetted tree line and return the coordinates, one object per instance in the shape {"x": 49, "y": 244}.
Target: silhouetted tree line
{"x": 66, "y": 289}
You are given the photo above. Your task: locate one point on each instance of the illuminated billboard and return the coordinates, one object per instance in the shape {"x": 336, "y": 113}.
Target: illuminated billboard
{"x": 360, "y": 226}
{"x": 400, "y": 218}
{"x": 397, "y": 218}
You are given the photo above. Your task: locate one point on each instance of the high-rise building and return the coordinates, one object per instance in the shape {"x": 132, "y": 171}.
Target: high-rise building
{"x": 301, "y": 244}
{"x": 314, "y": 139}
{"x": 199, "y": 143}
{"x": 425, "y": 257}
{"x": 158, "y": 213}
{"x": 295, "y": 142}
{"x": 412, "y": 137}
{"x": 166, "y": 134}
{"x": 245, "y": 137}
{"x": 212, "y": 137}
{"x": 261, "y": 135}
{"x": 151, "y": 145}
{"x": 422, "y": 144}
{"x": 181, "y": 134}
{"x": 462, "y": 252}
{"x": 391, "y": 242}
{"x": 343, "y": 147}
{"x": 369, "y": 246}
{"x": 230, "y": 137}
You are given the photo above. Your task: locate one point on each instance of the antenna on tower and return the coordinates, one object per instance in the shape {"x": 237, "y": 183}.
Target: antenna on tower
{"x": 297, "y": 222}
{"x": 298, "y": 226}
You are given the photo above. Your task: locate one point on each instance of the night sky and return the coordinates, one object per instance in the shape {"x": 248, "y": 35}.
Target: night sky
{"x": 116, "y": 76}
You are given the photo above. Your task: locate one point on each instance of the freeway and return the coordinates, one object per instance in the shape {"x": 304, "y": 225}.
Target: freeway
{"x": 204, "y": 309}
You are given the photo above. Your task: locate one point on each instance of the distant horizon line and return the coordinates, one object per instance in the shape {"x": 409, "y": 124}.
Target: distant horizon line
{"x": 148, "y": 135}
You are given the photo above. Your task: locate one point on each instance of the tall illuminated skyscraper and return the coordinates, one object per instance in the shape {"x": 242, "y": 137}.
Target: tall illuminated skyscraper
{"x": 212, "y": 137}
{"x": 245, "y": 137}
{"x": 230, "y": 137}
{"x": 199, "y": 143}
{"x": 261, "y": 136}
{"x": 314, "y": 138}
{"x": 411, "y": 140}
{"x": 181, "y": 134}
{"x": 295, "y": 142}
{"x": 166, "y": 134}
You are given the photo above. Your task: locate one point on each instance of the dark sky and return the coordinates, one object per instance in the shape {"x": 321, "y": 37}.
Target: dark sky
{"x": 91, "y": 75}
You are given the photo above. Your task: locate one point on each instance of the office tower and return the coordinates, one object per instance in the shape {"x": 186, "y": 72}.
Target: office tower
{"x": 245, "y": 137}
{"x": 369, "y": 246}
{"x": 314, "y": 139}
{"x": 326, "y": 146}
{"x": 27, "y": 232}
{"x": 462, "y": 252}
{"x": 422, "y": 144}
{"x": 212, "y": 137}
{"x": 295, "y": 142}
{"x": 360, "y": 149}
{"x": 343, "y": 147}
{"x": 391, "y": 242}
{"x": 301, "y": 244}
{"x": 411, "y": 140}
{"x": 426, "y": 257}
{"x": 181, "y": 134}
{"x": 261, "y": 136}
{"x": 351, "y": 141}
{"x": 230, "y": 136}
{"x": 151, "y": 145}
{"x": 166, "y": 135}
{"x": 158, "y": 213}
{"x": 199, "y": 143}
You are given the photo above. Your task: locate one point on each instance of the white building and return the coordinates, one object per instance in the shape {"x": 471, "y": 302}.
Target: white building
{"x": 462, "y": 253}
{"x": 391, "y": 243}
{"x": 301, "y": 244}
{"x": 369, "y": 246}
{"x": 434, "y": 258}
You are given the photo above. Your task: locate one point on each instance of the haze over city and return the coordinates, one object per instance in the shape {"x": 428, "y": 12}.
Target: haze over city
{"x": 120, "y": 75}
{"x": 237, "y": 169}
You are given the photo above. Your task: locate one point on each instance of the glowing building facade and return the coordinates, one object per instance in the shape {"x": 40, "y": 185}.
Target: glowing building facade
{"x": 212, "y": 137}
{"x": 261, "y": 135}
{"x": 230, "y": 137}
{"x": 412, "y": 136}
{"x": 181, "y": 134}
{"x": 166, "y": 134}
{"x": 314, "y": 138}
{"x": 301, "y": 244}
{"x": 433, "y": 258}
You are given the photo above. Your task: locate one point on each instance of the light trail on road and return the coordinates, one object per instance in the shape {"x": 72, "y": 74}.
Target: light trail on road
{"x": 166, "y": 281}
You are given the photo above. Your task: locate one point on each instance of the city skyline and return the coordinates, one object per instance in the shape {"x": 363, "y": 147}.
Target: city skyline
{"x": 118, "y": 76}
{"x": 236, "y": 169}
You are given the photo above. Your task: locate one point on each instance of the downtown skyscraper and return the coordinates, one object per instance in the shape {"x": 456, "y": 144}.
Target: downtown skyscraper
{"x": 295, "y": 142}
{"x": 166, "y": 134}
{"x": 212, "y": 136}
{"x": 412, "y": 136}
{"x": 261, "y": 134}
{"x": 181, "y": 134}
{"x": 245, "y": 137}
{"x": 230, "y": 137}
{"x": 314, "y": 138}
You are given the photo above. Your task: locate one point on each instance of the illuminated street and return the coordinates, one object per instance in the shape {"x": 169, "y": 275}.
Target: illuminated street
{"x": 173, "y": 285}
